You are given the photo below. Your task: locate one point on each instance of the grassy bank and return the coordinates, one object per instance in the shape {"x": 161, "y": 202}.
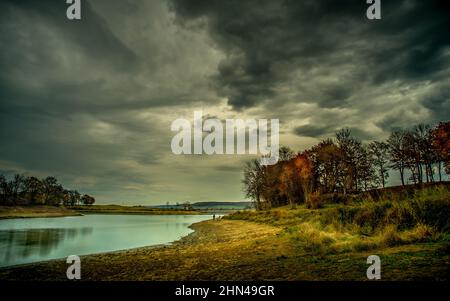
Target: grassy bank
{"x": 362, "y": 224}
{"x": 8, "y": 212}
{"x": 117, "y": 209}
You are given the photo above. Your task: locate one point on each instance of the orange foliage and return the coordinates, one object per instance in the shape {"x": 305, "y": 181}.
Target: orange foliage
{"x": 441, "y": 139}
{"x": 303, "y": 166}
{"x": 295, "y": 178}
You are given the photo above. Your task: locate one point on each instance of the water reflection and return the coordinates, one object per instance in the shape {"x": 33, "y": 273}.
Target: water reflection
{"x": 25, "y": 243}
{"x": 38, "y": 239}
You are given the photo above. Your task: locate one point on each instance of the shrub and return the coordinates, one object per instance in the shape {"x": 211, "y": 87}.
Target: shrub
{"x": 314, "y": 201}
{"x": 389, "y": 236}
{"x": 421, "y": 233}
{"x": 434, "y": 213}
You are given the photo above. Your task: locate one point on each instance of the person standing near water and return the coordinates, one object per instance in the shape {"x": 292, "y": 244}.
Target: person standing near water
{"x": 214, "y": 217}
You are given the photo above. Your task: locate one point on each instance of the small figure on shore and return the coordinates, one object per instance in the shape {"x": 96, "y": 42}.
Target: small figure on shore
{"x": 214, "y": 217}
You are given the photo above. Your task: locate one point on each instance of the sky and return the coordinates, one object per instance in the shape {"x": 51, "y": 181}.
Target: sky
{"x": 92, "y": 101}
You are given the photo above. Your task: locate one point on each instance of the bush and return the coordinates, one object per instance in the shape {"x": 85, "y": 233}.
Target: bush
{"x": 314, "y": 201}
{"x": 422, "y": 233}
{"x": 434, "y": 213}
{"x": 390, "y": 237}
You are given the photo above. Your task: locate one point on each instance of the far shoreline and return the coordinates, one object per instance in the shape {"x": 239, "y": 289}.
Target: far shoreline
{"x": 43, "y": 211}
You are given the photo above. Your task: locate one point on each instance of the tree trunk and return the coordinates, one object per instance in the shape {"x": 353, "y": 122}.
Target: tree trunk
{"x": 430, "y": 168}
{"x": 402, "y": 176}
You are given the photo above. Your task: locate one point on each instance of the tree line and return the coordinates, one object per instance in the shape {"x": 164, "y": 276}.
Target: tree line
{"x": 23, "y": 190}
{"x": 346, "y": 165}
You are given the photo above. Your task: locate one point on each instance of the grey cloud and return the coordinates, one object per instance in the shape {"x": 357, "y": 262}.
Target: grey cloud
{"x": 92, "y": 101}
{"x": 92, "y": 36}
{"x": 313, "y": 130}
{"x": 438, "y": 102}
{"x": 329, "y": 131}
{"x": 266, "y": 42}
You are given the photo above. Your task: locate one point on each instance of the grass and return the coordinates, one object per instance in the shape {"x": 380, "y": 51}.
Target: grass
{"x": 422, "y": 216}
{"x": 410, "y": 234}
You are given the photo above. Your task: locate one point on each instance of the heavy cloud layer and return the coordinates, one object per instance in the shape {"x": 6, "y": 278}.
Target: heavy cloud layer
{"x": 91, "y": 101}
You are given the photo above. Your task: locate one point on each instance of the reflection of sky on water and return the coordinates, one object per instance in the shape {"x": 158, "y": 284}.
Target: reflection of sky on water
{"x": 31, "y": 240}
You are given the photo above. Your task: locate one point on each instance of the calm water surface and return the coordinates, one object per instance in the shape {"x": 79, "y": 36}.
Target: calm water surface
{"x": 38, "y": 239}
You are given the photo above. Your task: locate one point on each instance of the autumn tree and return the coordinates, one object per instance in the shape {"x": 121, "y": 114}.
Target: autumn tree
{"x": 272, "y": 191}
{"x": 296, "y": 179}
{"x": 304, "y": 174}
{"x": 441, "y": 144}
{"x": 288, "y": 183}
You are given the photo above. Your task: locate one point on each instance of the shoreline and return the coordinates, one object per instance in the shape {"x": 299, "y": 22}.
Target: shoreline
{"x": 42, "y": 211}
{"x": 24, "y": 212}
{"x": 240, "y": 250}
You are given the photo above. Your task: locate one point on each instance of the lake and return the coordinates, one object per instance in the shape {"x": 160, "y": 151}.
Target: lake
{"x": 39, "y": 239}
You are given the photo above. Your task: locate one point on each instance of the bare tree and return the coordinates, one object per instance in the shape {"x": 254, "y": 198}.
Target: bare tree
{"x": 254, "y": 176}
{"x": 397, "y": 150}
{"x": 379, "y": 151}
{"x": 87, "y": 200}
{"x": 34, "y": 188}
{"x": 285, "y": 153}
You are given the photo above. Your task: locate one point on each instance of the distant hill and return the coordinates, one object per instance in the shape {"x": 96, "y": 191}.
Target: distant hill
{"x": 211, "y": 205}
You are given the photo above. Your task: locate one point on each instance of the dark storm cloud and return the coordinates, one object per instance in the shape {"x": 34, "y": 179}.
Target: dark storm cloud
{"x": 92, "y": 101}
{"x": 92, "y": 36}
{"x": 329, "y": 131}
{"x": 268, "y": 41}
{"x": 310, "y": 130}
{"x": 438, "y": 102}
{"x": 77, "y": 98}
